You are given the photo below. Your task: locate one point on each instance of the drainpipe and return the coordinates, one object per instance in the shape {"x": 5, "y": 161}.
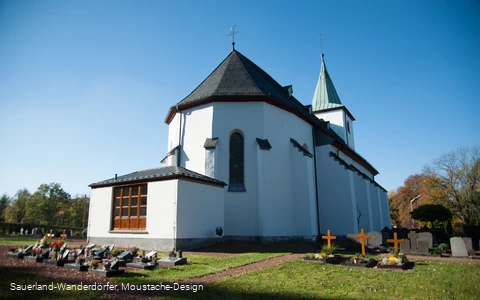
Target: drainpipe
{"x": 316, "y": 180}
{"x": 179, "y": 136}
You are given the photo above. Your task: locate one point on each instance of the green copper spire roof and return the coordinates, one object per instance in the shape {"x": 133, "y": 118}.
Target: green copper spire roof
{"x": 325, "y": 94}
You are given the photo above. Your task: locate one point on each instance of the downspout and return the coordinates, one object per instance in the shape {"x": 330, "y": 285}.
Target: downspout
{"x": 316, "y": 180}
{"x": 179, "y": 136}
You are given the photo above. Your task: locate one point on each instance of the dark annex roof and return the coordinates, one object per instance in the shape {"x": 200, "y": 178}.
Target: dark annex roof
{"x": 158, "y": 174}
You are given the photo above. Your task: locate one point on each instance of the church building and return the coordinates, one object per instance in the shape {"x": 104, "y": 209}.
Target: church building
{"x": 245, "y": 155}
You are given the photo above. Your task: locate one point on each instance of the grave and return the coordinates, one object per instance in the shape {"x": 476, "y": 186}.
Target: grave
{"x": 110, "y": 272}
{"x": 375, "y": 243}
{"x": 469, "y": 246}
{"x": 37, "y": 231}
{"x": 418, "y": 244}
{"x": 148, "y": 262}
{"x": 395, "y": 242}
{"x": 20, "y": 253}
{"x": 125, "y": 257}
{"x": 172, "y": 260}
{"x": 78, "y": 265}
{"x": 99, "y": 254}
{"x": 362, "y": 237}
{"x": 328, "y": 237}
{"x": 459, "y": 249}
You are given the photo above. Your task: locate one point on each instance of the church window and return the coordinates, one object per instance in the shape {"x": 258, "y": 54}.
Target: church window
{"x": 236, "y": 163}
{"x": 130, "y": 207}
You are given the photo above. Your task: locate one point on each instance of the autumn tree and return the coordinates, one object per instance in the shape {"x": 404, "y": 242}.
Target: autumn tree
{"x": 16, "y": 211}
{"x": 458, "y": 173}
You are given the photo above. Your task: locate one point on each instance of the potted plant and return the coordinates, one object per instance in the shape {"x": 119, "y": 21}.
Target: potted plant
{"x": 219, "y": 233}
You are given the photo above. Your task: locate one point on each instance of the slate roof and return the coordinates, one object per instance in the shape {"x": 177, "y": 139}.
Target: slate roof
{"x": 158, "y": 174}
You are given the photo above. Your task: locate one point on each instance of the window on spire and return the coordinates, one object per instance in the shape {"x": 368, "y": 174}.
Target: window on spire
{"x": 236, "y": 163}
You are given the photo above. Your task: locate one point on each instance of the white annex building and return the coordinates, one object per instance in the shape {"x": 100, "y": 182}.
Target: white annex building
{"x": 245, "y": 155}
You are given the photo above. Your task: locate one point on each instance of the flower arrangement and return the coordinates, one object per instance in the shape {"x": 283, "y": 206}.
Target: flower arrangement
{"x": 327, "y": 252}
{"x": 115, "y": 252}
{"x": 394, "y": 260}
{"x": 93, "y": 265}
{"x": 135, "y": 251}
{"x": 107, "y": 265}
{"x": 80, "y": 260}
{"x": 359, "y": 259}
{"x": 56, "y": 246}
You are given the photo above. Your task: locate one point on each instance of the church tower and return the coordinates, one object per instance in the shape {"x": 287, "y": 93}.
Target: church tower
{"x": 326, "y": 105}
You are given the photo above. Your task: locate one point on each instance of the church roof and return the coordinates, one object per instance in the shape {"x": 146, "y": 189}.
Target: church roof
{"x": 325, "y": 96}
{"x": 237, "y": 78}
{"x": 158, "y": 174}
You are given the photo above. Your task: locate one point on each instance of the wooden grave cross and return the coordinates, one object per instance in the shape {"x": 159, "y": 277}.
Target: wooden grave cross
{"x": 50, "y": 235}
{"x": 363, "y": 237}
{"x": 64, "y": 235}
{"x": 395, "y": 242}
{"x": 328, "y": 237}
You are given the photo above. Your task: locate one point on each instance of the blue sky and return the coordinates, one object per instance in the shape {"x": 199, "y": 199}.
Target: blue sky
{"x": 85, "y": 85}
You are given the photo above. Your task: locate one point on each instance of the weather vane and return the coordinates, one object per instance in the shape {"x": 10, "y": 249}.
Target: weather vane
{"x": 233, "y": 33}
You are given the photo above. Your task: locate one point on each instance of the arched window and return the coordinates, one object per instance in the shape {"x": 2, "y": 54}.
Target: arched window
{"x": 236, "y": 163}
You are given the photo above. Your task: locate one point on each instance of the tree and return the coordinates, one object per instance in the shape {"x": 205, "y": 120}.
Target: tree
{"x": 458, "y": 172}
{"x": 4, "y": 202}
{"x": 49, "y": 205}
{"x": 431, "y": 213}
{"x": 78, "y": 205}
{"x": 15, "y": 212}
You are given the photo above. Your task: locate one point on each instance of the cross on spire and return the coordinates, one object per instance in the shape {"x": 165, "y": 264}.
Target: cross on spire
{"x": 321, "y": 43}
{"x": 233, "y": 33}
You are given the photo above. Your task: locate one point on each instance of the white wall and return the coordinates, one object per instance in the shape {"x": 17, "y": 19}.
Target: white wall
{"x": 336, "y": 119}
{"x": 335, "y": 197}
{"x": 196, "y": 126}
{"x": 161, "y": 212}
{"x": 376, "y": 210}
{"x": 100, "y": 212}
{"x": 288, "y": 179}
{"x": 200, "y": 209}
{"x": 241, "y": 208}
{"x": 362, "y": 202}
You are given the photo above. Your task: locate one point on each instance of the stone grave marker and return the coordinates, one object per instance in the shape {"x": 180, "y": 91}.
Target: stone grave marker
{"x": 172, "y": 260}
{"x": 21, "y": 231}
{"x": 100, "y": 253}
{"x": 469, "y": 246}
{"x": 458, "y": 247}
{"x": 111, "y": 272}
{"x": 28, "y": 250}
{"x": 64, "y": 246}
{"x": 90, "y": 246}
{"x": 150, "y": 255}
{"x": 425, "y": 236}
{"x": 375, "y": 240}
{"x": 26, "y": 232}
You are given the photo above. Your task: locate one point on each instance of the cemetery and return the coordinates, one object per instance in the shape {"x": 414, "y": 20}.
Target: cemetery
{"x": 403, "y": 251}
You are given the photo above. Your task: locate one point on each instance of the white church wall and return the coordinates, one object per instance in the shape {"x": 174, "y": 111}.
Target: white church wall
{"x": 351, "y": 161}
{"x": 336, "y": 119}
{"x": 200, "y": 209}
{"x": 363, "y": 211}
{"x": 335, "y": 197}
{"x": 241, "y": 208}
{"x": 161, "y": 216}
{"x": 385, "y": 207}
{"x": 287, "y": 180}
{"x": 173, "y": 133}
{"x": 100, "y": 212}
{"x": 196, "y": 126}
{"x": 376, "y": 209}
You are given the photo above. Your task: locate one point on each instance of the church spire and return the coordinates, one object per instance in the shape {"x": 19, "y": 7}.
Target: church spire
{"x": 325, "y": 95}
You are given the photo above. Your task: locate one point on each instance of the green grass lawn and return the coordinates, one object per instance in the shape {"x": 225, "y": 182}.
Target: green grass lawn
{"x": 304, "y": 280}
{"x": 198, "y": 266}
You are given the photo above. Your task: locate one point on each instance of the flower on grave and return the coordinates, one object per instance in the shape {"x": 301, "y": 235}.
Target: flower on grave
{"x": 56, "y": 246}
{"x": 93, "y": 265}
{"x": 107, "y": 265}
{"x": 80, "y": 260}
{"x": 135, "y": 251}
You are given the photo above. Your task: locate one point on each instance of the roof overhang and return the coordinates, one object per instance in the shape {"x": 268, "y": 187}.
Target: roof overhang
{"x": 336, "y": 108}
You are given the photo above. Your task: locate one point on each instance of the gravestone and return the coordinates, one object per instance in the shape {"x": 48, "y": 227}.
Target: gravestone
{"x": 427, "y": 237}
{"x": 469, "y": 246}
{"x": 26, "y": 232}
{"x": 64, "y": 246}
{"x": 100, "y": 253}
{"x": 151, "y": 255}
{"x": 37, "y": 231}
{"x": 28, "y": 250}
{"x": 375, "y": 240}
{"x": 125, "y": 257}
{"x": 113, "y": 271}
{"x": 458, "y": 247}
{"x": 21, "y": 231}
{"x": 90, "y": 246}
{"x": 81, "y": 251}
{"x": 171, "y": 260}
